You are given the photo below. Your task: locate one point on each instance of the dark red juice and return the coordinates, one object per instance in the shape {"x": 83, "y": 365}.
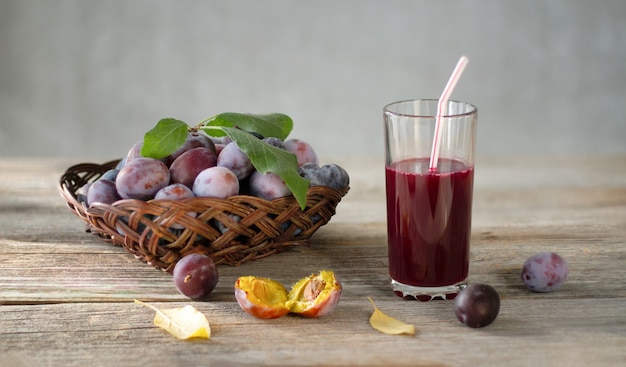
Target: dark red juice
{"x": 429, "y": 221}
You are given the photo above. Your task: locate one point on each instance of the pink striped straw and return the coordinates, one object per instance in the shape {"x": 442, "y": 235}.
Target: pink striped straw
{"x": 442, "y": 105}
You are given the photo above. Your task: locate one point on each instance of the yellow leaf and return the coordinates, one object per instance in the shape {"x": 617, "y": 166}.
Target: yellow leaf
{"x": 183, "y": 322}
{"x": 389, "y": 325}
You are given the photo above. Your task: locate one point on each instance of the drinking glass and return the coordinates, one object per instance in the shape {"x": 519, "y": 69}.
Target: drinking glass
{"x": 429, "y": 209}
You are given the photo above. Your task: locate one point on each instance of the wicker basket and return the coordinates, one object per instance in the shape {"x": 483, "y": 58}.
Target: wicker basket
{"x": 160, "y": 232}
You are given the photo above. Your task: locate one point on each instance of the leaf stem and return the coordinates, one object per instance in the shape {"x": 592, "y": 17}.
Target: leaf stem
{"x": 205, "y": 121}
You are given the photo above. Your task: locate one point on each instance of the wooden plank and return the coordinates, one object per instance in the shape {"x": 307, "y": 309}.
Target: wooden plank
{"x": 547, "y": 331}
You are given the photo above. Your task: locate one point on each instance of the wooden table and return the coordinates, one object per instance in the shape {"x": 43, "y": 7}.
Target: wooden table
{"x": 66, "y": 298}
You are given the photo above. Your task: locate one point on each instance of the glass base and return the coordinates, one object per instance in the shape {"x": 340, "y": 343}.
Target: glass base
{"x": 427, "y": 293}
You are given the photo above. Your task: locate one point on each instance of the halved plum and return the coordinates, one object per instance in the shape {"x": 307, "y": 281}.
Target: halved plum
{"x": 261, "y": 297}
{"x": 316, "y": 295}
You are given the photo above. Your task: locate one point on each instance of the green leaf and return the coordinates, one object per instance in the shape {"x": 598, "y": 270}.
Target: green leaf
{"x": 267, "y": 158}
{"x": 275, "y": 124}
{"x": 167, "y": 136}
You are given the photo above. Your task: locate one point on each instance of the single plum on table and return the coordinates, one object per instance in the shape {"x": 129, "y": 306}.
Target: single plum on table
{"x": 544, "y": 272}
{"x": 195, "y": 276}
{"x": 477, "y": 305}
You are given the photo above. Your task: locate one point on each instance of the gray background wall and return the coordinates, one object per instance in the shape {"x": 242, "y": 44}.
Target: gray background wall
{"x": 86, "y": 79}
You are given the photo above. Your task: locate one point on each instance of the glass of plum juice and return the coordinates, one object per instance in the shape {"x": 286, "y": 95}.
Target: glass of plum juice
{"x": 429, "y": 206}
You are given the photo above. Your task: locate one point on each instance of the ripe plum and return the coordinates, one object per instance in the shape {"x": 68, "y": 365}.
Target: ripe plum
{"x": 176, "y": 191}
{"x": 121, "y": 163}
{"x": 189, "y": 164}
{"x": 110, "y": 175}
{"x": 193, "y": 140}
{"x": 224, "y": 227}
{"x": 195, "y": 276}
{"x": 217, "y": 182}
{"x": 303, "y": 151}
{"x": 236, "y": 160}
{"x": 477, "y": 305}
{"x": 544, "y": 272}
{"x": 81, "y": 193}
{"x": 276, "y": 142}
{"x": 134, "y": 152}
{"x": 220, "y": 143}
{"x": 268, "y": 186}
{"x": 336, "y": 177}
{"x": 102, "y": 191}
{"x": 313, "y": 173}
{"x": 141, "y": 178}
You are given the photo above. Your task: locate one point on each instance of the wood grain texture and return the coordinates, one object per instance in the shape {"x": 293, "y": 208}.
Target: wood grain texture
{"x": 66, "y": 298}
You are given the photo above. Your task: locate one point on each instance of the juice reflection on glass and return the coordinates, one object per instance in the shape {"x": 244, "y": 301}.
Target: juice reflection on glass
{"x": 429, "y": 211}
